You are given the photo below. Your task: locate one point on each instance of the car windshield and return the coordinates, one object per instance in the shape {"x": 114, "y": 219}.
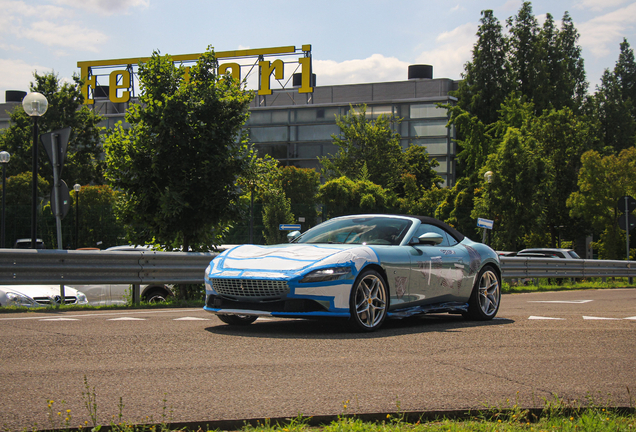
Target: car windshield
{"x": 358, "y": 230}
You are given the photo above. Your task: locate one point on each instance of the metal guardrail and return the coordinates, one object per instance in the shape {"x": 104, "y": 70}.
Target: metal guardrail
{"x": 517, "y": 267}
{"x": 68, "y": 267}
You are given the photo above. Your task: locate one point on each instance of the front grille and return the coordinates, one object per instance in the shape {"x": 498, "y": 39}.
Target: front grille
{"x": 250, "y": 287}
{"x": 289, "y": 305}
{"x": 56, "y": 300}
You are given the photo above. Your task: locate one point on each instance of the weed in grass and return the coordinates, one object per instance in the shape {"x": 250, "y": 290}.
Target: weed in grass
{"x": 594, "y": 414}
{"x": 90, "y": 403}
{"x": 58, "y": 420}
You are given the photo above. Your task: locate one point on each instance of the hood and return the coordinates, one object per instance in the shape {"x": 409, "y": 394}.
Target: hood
{"x": 33, "y": 291}
{"x": 284, "y": 261}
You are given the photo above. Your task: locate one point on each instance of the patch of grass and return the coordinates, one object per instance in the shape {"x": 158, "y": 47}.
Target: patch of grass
{"x": 564, "y": 284}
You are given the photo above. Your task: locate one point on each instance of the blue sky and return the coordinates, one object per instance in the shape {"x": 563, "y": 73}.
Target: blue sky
{"x": 352, "y": 41}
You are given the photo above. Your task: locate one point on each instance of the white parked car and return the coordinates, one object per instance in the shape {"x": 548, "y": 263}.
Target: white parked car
{"x": 548, "y": 253}
{"x": 39, "y": 295}
{"x": 121, "y": 294}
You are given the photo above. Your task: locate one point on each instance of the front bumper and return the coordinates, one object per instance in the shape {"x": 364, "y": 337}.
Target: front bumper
{"x": 284, "y": 308}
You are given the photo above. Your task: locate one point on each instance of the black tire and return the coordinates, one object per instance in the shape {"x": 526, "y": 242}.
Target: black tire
{"x": 486, "y": 296}
{"x": 368, "y": 302}
{"x": 237, "y": 320}
{"x": 156, "y": 296}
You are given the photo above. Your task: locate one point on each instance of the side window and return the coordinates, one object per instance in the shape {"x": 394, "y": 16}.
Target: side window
{"x": 426, "y": 228}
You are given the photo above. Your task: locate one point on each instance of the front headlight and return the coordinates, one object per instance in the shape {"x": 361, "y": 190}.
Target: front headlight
{"x": 15, "y": 299}
{"x": 327, "y": 274}
{"x": 81, "y": 297}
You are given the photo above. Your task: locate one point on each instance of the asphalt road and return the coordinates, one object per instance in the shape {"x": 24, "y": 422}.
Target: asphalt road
{"x": 185, "y": 365}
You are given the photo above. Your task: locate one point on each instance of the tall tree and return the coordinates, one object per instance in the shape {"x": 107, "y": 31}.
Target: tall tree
{"x": 561, "y": 81}
{"x": 524, "y": 51}
{"x": 515, "y": 199}
{"x": 418, "y": 163}
{"x": 548, "y": 65}
{"x": 83, "y": 163}
{"x": 178, "y": 163}
{"x": 625, "y": 72}
{"x": 561, "y": 138}
{"x": 301, "y": 186}
{"x": 361, "y": 142}
{"x": 614, "y": 102}
{"x": 572, "y": 84}
{"x": 371, "y": 150}
{"x": 486, "y": 76}
{"x": 343, "y": 196}
{"x": 602, "y": 180}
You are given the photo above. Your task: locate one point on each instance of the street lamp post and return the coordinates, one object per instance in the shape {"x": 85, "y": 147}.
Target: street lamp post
{"x": 77, "y": 188}
{"x": 4, "y": 160}
{"x": 35, "y": 105}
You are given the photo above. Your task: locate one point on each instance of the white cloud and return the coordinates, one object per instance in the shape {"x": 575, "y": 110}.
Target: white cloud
{"x": 108, "y": 7}
{"x": 598, "y": 33}
{"x": 57, "y": 30}
{"x": 11, "y": 8}
{"x": 376, "y": 68}
{"x": 512, "y": 6}
{"x": 454, "y": 49}
{"x": 18, "y": 22}
{"x": 596, "y": 5}
{"x": 17, "y": 74}
{"x": 68, "y": 36}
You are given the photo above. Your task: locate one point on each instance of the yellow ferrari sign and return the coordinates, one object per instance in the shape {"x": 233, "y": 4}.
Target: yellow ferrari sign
{"x": 120, "y": 81}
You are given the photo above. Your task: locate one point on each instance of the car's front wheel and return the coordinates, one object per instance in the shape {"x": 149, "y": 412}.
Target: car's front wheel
{"x": 237, "y": 320}
{"x": 486, "y": 296}
{"x": 369, "y": 302}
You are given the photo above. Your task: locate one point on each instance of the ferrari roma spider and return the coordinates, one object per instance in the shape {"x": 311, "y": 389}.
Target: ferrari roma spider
{"x": 364, "y": 268}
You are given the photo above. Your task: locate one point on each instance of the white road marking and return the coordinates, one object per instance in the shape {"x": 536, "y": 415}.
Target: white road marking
{"x": 191, "y": 319}
{"x": 562, "y": 301}
{"x": 598, "y": 318}
{"x": 631, "y": 318}
{"x": 59, "y": 319}
{"x": 544, "y": 318}
{"x": 126, "y": 319}
{"x": 98, "y": 314}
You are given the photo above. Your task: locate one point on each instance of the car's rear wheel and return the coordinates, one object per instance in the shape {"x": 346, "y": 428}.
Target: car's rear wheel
{"x": 486, "y": 296}
{"x": 238, "y": 320}
{"x": 369, "y": 301}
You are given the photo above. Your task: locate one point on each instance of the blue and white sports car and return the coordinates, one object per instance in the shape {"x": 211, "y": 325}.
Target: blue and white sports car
{"x": 363, "y": 268}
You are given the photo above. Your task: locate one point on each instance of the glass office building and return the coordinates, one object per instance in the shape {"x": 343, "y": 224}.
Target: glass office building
{"x": 297, "y": 128}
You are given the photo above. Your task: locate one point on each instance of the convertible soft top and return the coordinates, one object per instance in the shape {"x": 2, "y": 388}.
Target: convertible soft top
{"x": 432, "y": 221}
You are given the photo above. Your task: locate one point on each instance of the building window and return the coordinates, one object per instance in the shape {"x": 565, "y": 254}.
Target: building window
{"x": 269, "y": 134}
{"x": 434, "y": 146}
{"x": 424, "y": 128}
{"x": 317, "y": 132}
{"x": 277, "y": 151}
{"x": 427, "y": 111}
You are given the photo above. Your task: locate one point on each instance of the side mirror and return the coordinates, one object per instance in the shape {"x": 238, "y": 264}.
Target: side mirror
{"x": 293, "y": 236}
{"x": 431, "y": 238}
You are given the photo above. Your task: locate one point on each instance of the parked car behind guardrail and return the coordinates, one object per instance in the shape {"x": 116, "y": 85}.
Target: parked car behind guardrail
{"x": 114, "y": 294}
{"x": 549, "y": 253}
{"x": 39, "y": 295}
